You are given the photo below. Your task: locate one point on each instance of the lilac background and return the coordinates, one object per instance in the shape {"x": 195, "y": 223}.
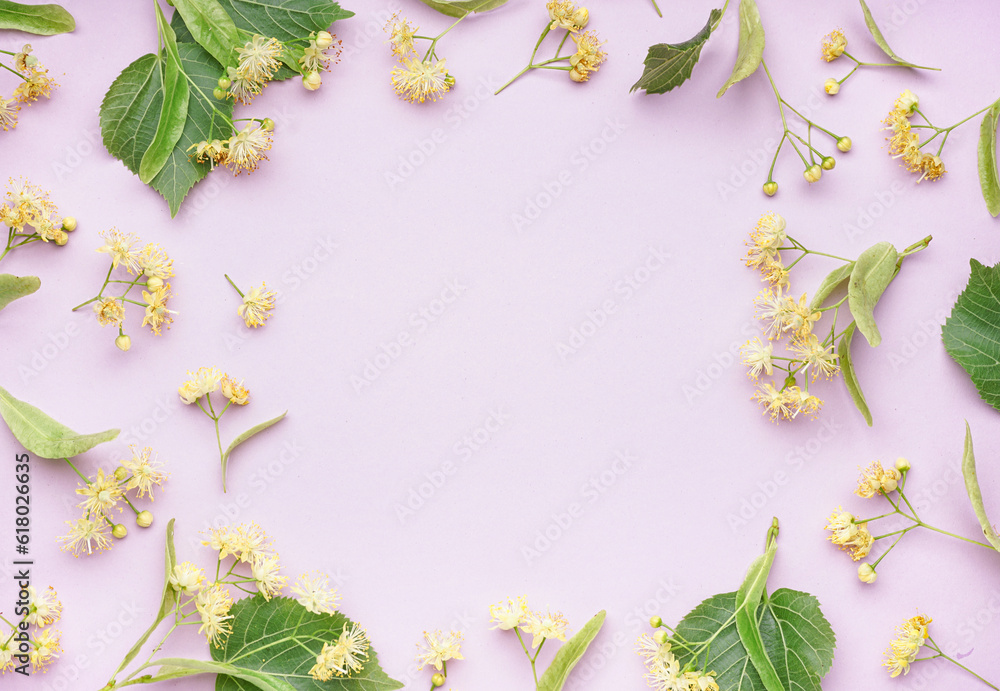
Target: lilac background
{"x": 665, "y": 534}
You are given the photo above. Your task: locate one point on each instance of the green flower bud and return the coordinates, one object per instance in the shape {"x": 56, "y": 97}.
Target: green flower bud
{"x": 267, "y": 124}
{"x": 770, "y": 188}
{"x": 902, "y": 465}
{"x": 154, "y": 283}
{"x": 660, "y": 636}
{"x": 219, "y": 93}
{"x": 69, "y": 224}
{"x": 224, "y": 83}
{"x": 655, "y": 622}
{"x": 144, "y": 519}
{"x": 437, "y": 680}
{"x": 119, "y": 531}
{"x": 324, "y": 40}
{"x": 844, "y": 144}
{"x": 866, "y": 572}
{"x": 123, "y": 342}
{"x": 121, "y": 472}
{"x": 813, "y": 173}
{"x": 831, "y": 86}
{"x": 312, "y": 81}
{"x": 829, "y": 162}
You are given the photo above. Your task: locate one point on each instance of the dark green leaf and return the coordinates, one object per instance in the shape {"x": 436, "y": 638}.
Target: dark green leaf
{"x": 972, "y": 332}
{"x": 173, "y": 111}
{"x": 975, "y": 494}
{"x": 833, "y": 280}
{"x": 989, "y": 178}
{"x": 14, "y": 287}
{"x": 668, "y": 65}
{"x": 256, "y": 429}
{"x": 751, "y": 46}
{"x": 280, "y": 639}
{"x": 460, "y": 8}
{"x": 872, "y": 274}
{"x": 43, "y": 436}
{"x": 571, "y": 652}
{"x": 880, "y": 40}
{"x": 211, "y": 27}
{"x": 44, "y": 20}
{"x": 850, "y": 376}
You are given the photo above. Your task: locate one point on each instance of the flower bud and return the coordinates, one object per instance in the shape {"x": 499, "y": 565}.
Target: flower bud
{"x": 577, "y": 76}
{"x": 655, "y": 622}
{"x": 144, "y": 519}
{"x": 844, "y": 144}
{"x": 219, "y": 93}
{"x": 312, "y": 81}
{"x": 123, "y": 342}
{"x": 581, "y": 17}
{"x": 831, "y": 86}
{"x": 31, "y": 61}
{"x": 119, "y": 531}
{"x": 902, "y": 465}
{"x": 224, "y": 83}
{"x": 813, "y": 173}
{"x": 61, "y": 238}
{"x": 154, "y": 283}
{"x": 69, "y": 224}
{"x": 121, "y": 472}
{"x": 267, "y": 124}
{"x": 770, "y": 188}
{"x": 866, "y": 572}
{"x": 324, "y": 40}
{"x": 437, "y": 680}
{"x": 660, "y": 636}
{"x": 828, "y": 163}
{"x": 907, "y": 101}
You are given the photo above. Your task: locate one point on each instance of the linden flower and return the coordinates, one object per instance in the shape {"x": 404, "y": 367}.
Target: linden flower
{"x": 9, "y": 108}
{"x": 757, "y": 356}
{"x": 36, "y": 83}
{"x": 315, "y": 594}
{"x": 44, "y": 608}
{"x": 258, "y": 59}
{"x": 651, "y": 651}
{"x": 314, "y": 59}
{"x": 102, "y": 495}
{"x": 109, "y": 311}
{"x": 44, "y": 648}
{"x": 257, "y": 306}
{"x": 86, "y": 535}
{"x": 818, "y": 358}
{"x": 265, "y": 572}
{"x": 416, "y": 81}
{"x": 588, "y": 56}
{"x": 214, "y": 151}
{"x": 510, "y": 614}
{"x": 121, "y": 247}
{"x": 213, "y": 604}
{"x": 773, "y": 400}
{"x": 775, "y": 273}
{"x": 187, "y": 578}
{"x": 145, "y": 472}
{"x": 235, "y": 391}
{"x": 566, "y": 15}
{"x": 439, "y": 648}
{"x": 6, "y": 656}
{"x": 154, "y": 262}
{"x": 24, "y": 59}
{"x": 907, "y": 103}
{"x": 876, "y": 480}
{"x": 401, "y": 34}
{"x": 346, "y": 656}
{"x": 204, "y": 381}
{"x": 241, "y": 89}
{"x": 221, "y": 540}
{"x": 849, "y": 535}
{"x": 834, "y": 45}
{"x": 776, "y": 309}
{"x": 251, "y": 544}
{"x": 542, "y": 626}
{"x": 901, "y": 652}
{"x": 801, "y": 401}
{"x": 246, "y": 148}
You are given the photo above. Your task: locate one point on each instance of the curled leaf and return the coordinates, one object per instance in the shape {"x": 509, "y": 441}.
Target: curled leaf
{"x": 880, "y": 40}
{"x": 872, "y": 274}
{"x": 43, "y": 436}
{"x": 15, "y": 287}
{"x": 571, "y": 652}
{"x": 256, "y": 429}
{"x": 833, "y": 280}
{"x": 989, "y": 178}
{"x": 460, "y": 8}
{"x": 174, "y": 108}
{"x": 850, "y": 376}
{"x": 751, "y": 45}
{"x": 975, "y": 494}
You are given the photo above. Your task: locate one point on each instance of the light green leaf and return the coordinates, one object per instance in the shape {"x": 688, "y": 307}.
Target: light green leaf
{"x": 972, "y": 332}
{"x": 833, "y": 280}
{"x": 14, "y": 287}
{"x": 751, "y": 46}
{"x": 43, "y": 436}
{"x": 747, "y": 601}
{"x": 43, "y": 20}
{"x": 279, "y": 639}
{"x": 130, "y": 115}
{"x": 872, "y": 274}
{"x": 212, "y": 28}
{"x": 850, "y": 376}
{"x": 256, "y": 429}
{"x": 571, "y": 652}
{"x": 668, "y": 65}
{"x": 975, "y": 494}
{"x": 989, "y": 178}
{"x": 178, "y": 668}
{"x": 460, "y": 8}
{"x": 173, "y": 111}
{"x": 880, "y": 40}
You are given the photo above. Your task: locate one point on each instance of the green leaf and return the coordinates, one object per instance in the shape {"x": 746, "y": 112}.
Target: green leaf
{"x": 796, "y": 636}
{"x": 460, "y": 8}
{"x": 833, "y": 280}
{"x": 256, "y": 429}
{"x": 850, "y": 376}
{"x": 989, "y": 178}
{"x": 211, "y": 27}
{"x": 751, "y": 46}
{"x": 44, "y": 20}
{"x": 178, "y": 668}
{"x": 972, "y": 332}
{"x": 280, "y": 639}
{"x": 872, "y": 274}
{"x": 571, "y": 652}
{"x": 975, "y": 494}
{"x": 880, "y": 40}
{"x": 173, "y": 111}
{"x": 668, "y": 65}
{"x": 281, "y": 19}
{"x": 43, "y": 436}
{"x": 130, "y": 115}
{"x": 13, "y": 287}
{"x": 747, "y": 601}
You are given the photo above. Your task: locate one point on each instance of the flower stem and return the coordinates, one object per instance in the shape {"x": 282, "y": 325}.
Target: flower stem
{"x": 657, "y": 8}
{"x": 85, "y": 478}
{"x": 956, "y": 662}
{"x": 233, "y": 285}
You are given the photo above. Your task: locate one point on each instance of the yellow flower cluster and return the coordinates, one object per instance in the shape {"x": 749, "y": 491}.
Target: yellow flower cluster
{"x": 904, "y": 142}
{"x": 31, "y": 216}
{"x": 588, "y": 56}
{"x": 257, "y": 305}
{"x": 834, "y": 45}
{"x": 664, "y": 669}
{"x": 242, "y": 152}
{"x": 43, "y": 643}
{"x": 35, "y": 83}
{"x": 208, "y": 380}
{"x": 540, "y": 625}
{"x": 903, "y": 651}
{"x": 101, "y": 497}
{"x": 849, "y": 535}
{"x": 413, "y": 79}
{"x": 438, "y": 648}
{"x": 876, "y": 480}
{"x": 343, "y": 657}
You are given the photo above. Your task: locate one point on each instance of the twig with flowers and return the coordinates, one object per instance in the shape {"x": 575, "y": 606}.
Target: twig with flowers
{"x": 912, "y": 636}
{"x": 34, "y": 83}
{"x": 543, "y": 625}
{"x": 257, "y": 304}
{"x": 435, "y": 651}
{"x": 29, "y": 640}
{"x": 150, "y": 267}
{"x": 202, "y": 385}
{"x": 265, "y": 640}
{"x": 809, "y": 355}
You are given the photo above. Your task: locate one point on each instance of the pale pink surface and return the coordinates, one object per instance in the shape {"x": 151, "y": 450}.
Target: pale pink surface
{"x": 656, "y": 381}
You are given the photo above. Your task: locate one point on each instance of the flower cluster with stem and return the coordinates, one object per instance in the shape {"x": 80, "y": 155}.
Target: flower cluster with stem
{"x": 103, "y": 495}
{"x": 435, "y": 651}
{"x": 853, "y": 534}
{"x": 569, "y": 19}
{"x": 417, "y": 79}
{"x": 30, "y": 216}
{"x": 33, "y": 82}
{"x": 913, "y": 636}
{"x": 664, "y": 670}
{"x": 30, "y": 640}
{"x": 257, "y": 304}
{"x": 514, "y": 615}
{"x": 835, "y": 46}
{"x": 151, "y": 267}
